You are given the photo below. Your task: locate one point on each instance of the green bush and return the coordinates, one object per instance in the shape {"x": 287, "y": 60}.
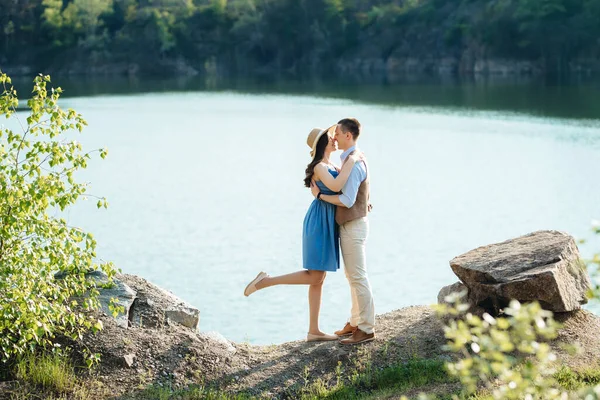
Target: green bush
{"x": 504, "y": 353}
{"x": 37, "y": 166}
{"x": 508, "y": 357}
{"x": 289, "y": 35}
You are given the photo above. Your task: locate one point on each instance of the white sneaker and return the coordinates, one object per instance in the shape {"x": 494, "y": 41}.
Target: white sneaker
{"x": 326, "y": 337}
{"x": 251, "y": 288}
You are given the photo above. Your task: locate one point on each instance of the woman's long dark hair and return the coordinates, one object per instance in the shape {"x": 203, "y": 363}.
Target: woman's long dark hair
{"x": 319, "y": 153}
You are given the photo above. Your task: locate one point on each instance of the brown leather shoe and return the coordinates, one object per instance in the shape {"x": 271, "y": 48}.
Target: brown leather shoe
{"x": 358, "y": 337}
{"x": 346, "y": 330}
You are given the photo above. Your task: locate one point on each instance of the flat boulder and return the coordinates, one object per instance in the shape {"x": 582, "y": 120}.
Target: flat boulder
{"x": 543, "y": 266}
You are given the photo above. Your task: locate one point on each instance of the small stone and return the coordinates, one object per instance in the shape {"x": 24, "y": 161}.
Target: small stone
{"x": 184, "y": 314}
{"x": 128, "y": 360}
{"x": 446, "y": 291}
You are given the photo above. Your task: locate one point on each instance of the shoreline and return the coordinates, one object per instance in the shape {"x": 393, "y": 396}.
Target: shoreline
{"x": 392, "y": 68}
{"x": 404, "y": 334}
{"x": 158, "y": 358}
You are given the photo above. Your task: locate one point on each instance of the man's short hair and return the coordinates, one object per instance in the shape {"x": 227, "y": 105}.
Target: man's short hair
{"x": 350, "y": 125}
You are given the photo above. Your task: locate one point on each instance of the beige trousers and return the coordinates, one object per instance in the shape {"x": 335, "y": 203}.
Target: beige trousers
{"x": 353, "y": 239}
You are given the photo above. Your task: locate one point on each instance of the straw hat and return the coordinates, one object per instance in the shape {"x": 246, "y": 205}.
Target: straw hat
{"x": 314, "y": 136}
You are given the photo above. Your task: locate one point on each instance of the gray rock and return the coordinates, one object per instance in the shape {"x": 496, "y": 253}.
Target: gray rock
{"x": 128, "y": 360}
{"x": 460, "y": 287}
{"x": 543, "y": 266}
{"x": 119, "y": 290}
{"x": 184, "y": 315}
{"x": 157, "y": 307}
{"x": 450, "y": 289}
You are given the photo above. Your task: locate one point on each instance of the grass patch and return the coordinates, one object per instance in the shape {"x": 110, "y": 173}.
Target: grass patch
{"x": 372, "y": 384}
{"x": 156, "y": 392}
{"x": 573, "y": 380}
{"x": 51, "y": 377}
{"x": 52, "y": 372}
{"x": 368, "y": 384}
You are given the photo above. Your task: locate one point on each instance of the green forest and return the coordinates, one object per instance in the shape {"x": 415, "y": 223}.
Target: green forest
{"x": 163, "y": 37}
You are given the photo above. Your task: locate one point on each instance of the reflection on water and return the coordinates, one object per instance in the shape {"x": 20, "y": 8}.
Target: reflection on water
{"x": 566, "y": 98}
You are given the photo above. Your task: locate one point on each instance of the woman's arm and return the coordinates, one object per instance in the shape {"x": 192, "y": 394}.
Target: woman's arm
{"x": 335, "y": 184}
{"x": 333, "y": 199}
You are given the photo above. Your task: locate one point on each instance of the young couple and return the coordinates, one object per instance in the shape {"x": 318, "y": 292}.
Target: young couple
{"x": 334, "y": 219}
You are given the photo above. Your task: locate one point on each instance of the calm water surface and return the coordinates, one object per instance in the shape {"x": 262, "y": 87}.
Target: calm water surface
{"x": 205, "y": 187}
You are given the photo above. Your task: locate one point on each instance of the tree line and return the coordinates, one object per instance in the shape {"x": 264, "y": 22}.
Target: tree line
{"x": 291, "y": 35}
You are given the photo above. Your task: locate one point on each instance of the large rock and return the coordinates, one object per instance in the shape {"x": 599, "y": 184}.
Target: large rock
{"x": 543, "y": 266}
{"x": 118, "y": 290}
{"x": 155, "y": 306}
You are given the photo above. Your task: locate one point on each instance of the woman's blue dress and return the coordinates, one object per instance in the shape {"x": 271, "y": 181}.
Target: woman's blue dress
{"x": 320, "y": 234}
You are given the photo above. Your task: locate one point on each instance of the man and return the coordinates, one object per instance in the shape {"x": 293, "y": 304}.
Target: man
{"x": 351, "y": 215}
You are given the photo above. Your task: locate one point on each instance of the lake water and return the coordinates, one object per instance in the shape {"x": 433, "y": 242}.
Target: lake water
{"x": 204, "y": 182}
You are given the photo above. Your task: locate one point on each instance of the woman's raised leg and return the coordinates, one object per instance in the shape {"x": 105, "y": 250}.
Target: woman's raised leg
{"x": 314, "y": 280}
{"x": 306, "y": 277}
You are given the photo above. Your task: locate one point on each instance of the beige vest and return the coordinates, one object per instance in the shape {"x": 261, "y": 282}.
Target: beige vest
{"x": 361, "y": 207}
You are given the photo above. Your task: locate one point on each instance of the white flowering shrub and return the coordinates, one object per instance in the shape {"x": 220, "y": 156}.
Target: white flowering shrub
{"x": 508, "y": 357}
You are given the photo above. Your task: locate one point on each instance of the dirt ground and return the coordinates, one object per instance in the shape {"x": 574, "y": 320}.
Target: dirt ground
{"x": 153, "y": 350}
{"x": 174, "y": 355}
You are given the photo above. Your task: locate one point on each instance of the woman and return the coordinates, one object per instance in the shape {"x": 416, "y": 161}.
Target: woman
{"x": 320, "y": 236}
